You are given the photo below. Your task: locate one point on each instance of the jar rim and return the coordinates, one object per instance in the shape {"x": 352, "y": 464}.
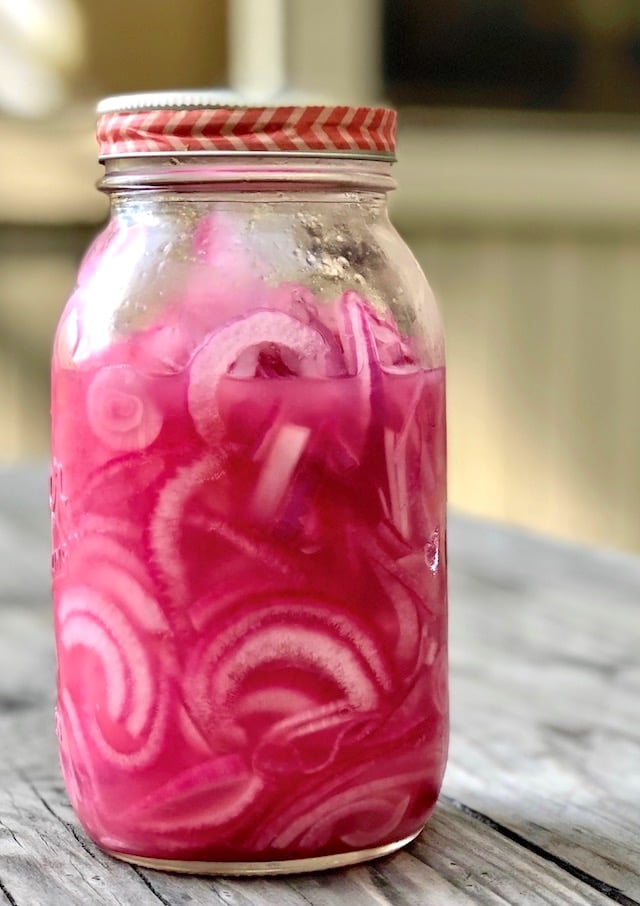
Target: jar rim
{"x": 252, "y": 155}
{"x": 247, "y": 171}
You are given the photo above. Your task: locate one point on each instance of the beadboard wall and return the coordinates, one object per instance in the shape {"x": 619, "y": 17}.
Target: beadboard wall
{"x": 531, "y": 241}
{"x": 543, "y": 379}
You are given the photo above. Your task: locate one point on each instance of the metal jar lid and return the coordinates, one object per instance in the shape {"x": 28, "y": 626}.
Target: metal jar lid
{"x": 214, "y": 122}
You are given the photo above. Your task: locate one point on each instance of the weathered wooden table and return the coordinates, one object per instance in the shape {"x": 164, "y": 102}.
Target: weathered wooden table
{"x": 541, "y": 801}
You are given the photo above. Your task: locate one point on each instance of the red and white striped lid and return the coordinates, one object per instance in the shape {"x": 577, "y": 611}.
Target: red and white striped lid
{"x": 205, "y": 122}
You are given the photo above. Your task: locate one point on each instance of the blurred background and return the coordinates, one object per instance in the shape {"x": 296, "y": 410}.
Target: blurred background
{"x": 519, "y": 172}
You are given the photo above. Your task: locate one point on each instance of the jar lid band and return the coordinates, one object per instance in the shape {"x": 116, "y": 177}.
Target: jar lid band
{"x": 137, "y": 127}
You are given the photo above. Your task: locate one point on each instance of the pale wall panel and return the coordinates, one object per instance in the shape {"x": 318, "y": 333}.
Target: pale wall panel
{"x": 626, "y": 393}
{"x": 544, "y": 377}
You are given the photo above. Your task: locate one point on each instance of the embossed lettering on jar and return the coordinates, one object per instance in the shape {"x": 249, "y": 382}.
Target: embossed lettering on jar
{"x": 248, "y": 497}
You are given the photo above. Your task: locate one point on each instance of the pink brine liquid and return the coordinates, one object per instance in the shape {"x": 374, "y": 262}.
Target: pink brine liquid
{"x": 249, "y": 582}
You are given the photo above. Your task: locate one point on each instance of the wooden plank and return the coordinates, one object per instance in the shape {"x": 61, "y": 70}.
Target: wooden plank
{"x": 546, "y": 684}
{"x": 492, "y": 869}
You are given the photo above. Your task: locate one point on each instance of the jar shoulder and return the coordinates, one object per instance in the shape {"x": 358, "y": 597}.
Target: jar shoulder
{"x": 209, "y": 263}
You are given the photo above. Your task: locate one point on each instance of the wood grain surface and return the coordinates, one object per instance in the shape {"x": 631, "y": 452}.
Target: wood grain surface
{"x": 541, "y": 803}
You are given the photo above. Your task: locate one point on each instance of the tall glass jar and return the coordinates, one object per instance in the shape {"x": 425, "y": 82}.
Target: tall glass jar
{"x": 248, "y": 497}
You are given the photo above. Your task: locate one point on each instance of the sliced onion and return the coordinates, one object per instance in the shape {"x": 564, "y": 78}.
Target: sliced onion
{"x": 310, "y": 739}
{"x": 67, "y": 337}
{"x": 361, "y": 357}
{"x": 88, "y": 619}
{"x": 191, "y": 732}
{"x": 131, "y": 731}
{"x": 369, "y": 820}
{"x": 261, "y": 552}
{"x": 397, "y": 483}
{"x": 235, "y": 592}
{"x": 355, "y": 333}
{"x": 424, "y": 571}
{"x": 319, "y": 645}
{"x": 209, "y": 796}
{"x": 279, "y": 466}
{"x": 280, "y": 700}
{"x": 269, "y": 690}
{"x": 165, "y": 349}
{"x": 110, "y": 527}
{"x": 78, "y": 765}
{"x": 394, "y": 351}
{"x": 84, "y": 630}
{"x": 120, "y": 409}
{"x": 166, "y": 523}
{"x": 183, "y": 511}
{"x": 115, "y": 496}
{"x": 410, "y": 629}
{"x": 140, "y": 605}
{"x": 246, "y": 337}
{"x": 367, "y": 542}
{"x": 415, "y": 723}
{"x": 440, "y": 681}
{"x": 104, "y": 564}
{"x": 338, "y": 808}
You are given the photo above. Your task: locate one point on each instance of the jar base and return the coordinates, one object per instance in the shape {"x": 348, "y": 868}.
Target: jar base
{"x": 280, "y": 867}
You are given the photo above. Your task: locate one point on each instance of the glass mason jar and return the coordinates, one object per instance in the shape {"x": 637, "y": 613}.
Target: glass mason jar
{"x": 248, "y": 497}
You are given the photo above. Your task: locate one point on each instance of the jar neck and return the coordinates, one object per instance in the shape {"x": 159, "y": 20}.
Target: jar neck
{"x": 250, "y": 173}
